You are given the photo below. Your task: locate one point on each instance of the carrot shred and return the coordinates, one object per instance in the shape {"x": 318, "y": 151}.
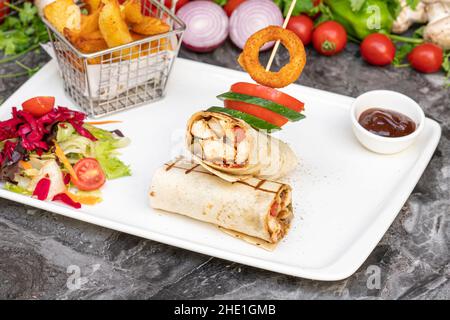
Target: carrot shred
{"x": 86, "y": 200}
{"x": 25, "y": 165}
{"x": 62, "y": 157}
{"x": 96, "y": 123}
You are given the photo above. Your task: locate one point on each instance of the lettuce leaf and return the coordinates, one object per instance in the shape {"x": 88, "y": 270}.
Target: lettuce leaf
{"x": 112, "y": 166}
{"x": 65, "y": 132}
{"x": 104, "y": 149}
{"x": 16, "y": 189}
{"x": 105, "y": 152}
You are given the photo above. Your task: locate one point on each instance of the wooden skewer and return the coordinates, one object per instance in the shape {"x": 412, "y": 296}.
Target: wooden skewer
{"x": 277, "y": 44}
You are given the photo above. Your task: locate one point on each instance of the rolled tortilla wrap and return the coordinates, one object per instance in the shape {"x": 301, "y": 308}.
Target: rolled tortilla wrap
{"x": 233, "y": 150}
{"x": 256, "y": 208}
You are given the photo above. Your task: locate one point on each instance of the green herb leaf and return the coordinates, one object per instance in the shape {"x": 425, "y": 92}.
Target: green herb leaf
{"x": 401, "y": 54}
{"x": 412, "y": 3}
{"x": 394, "y": 7}
{"x": 21, "y": 32}
{"x": 221, "y": 2}
{"x": 418, "y": 33}
{"x": 446, "y": 67}
{"x": 302, "y": 6}
{"x": 27, "y": 13}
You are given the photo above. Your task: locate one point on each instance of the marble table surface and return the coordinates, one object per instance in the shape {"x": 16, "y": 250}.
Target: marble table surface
{"x": 46, "y": 256}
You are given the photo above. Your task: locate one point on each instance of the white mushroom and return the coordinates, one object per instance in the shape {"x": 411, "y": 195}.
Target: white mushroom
{"x": 409, "y": 16}
{"x": 438, "y": 29}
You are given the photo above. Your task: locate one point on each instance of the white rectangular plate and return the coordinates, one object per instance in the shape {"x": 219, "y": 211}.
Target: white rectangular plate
{"x": 345, "y": 197}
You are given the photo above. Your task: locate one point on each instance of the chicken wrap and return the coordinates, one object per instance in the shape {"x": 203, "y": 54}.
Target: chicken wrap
{"x": 258, "y": 211}
{"x": 233, "y": 150}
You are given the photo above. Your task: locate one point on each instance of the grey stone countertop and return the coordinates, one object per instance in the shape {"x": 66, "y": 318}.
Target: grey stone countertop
{"x": 47, "y": 256}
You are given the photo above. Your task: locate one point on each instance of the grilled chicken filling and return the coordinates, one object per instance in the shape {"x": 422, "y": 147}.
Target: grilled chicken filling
{"x": 220, "y": 142}
{"x": 280, "y": 215}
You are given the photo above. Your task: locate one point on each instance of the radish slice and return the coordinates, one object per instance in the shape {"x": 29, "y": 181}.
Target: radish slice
{"x": 42, "y": 189}
{"x": 206, "y": 25}
{"x": 252, "y": 16}
{"x": 67, "y": 200}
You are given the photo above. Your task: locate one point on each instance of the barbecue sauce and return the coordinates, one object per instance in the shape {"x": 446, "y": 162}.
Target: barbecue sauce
{"x": 387, "y": 123}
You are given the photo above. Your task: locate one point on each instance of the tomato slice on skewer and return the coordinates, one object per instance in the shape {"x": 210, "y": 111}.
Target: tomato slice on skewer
{"x": 90, "y": 175}
{"x": 266, "y": 93}
{"x": 257, "y": 111}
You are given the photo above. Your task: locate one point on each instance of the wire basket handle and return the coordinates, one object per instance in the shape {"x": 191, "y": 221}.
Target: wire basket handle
{"x": 173, "y": 3}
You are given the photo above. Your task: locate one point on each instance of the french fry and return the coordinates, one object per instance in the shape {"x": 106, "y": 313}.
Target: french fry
{"x": 113, "y": 28}
{"x": 63, "y": 14}
{"x": 150, "y": 26}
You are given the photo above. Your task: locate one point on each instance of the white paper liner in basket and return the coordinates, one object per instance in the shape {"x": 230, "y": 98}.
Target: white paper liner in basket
{"x": 138, "y": 72}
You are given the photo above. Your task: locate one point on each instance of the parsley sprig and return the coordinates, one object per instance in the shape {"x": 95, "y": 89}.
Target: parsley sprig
{"x": 21, "y": 33}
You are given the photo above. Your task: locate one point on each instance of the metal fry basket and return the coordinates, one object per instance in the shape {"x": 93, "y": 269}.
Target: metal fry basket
{"x": 122, "y": 77}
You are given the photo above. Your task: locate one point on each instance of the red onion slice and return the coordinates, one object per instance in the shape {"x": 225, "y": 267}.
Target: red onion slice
{"x": 206, "y": 25}
{"x": 252, "y": 16}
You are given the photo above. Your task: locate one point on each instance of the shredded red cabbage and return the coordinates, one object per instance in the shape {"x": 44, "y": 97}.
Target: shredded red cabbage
{"x": 32, "y": 131}
{"x": 67, "y": 200}
{"x": 6, "y": 154}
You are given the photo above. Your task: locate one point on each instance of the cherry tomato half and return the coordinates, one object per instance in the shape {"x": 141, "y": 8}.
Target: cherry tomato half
{"x": 329, "y": 38}
{"x": 231, "y": 5}
{"x": 38, "y": 106}
{"x": 426, "y": 58}
{"x": 90, "y": 175}
{"x": 267, "y": 93}
{"x": 378, "y": 49}
{"x": 302, "y": 26}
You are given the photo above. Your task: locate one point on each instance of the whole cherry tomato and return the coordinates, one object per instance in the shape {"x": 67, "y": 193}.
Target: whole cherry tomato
{"x": 378, "y": 49}
{"x": 329, "y": 38}
{"x": 4, "y": 10}
{"x": 426, "y": 58}
{"x": 302, "y": 26}
{"x": 180, "y": 3}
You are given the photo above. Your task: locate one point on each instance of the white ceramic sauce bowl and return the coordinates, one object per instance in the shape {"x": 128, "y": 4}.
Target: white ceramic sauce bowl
{"x": 387, "y": 100}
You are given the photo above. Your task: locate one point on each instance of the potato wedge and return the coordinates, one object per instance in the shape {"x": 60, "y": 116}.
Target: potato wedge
{"x": 63, "y": 14}
{"x": 92, "y": 5}
{"x": 132, "y": 11}
{"x": 87, "y": 43}
{"x": 94, "y": 35}
{"x": 89, "y": 23}
{"x": 150, "y": 26}
{"x": 113, "y": 28}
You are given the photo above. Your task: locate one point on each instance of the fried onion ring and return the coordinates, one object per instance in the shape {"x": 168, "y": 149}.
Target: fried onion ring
{"x": 249, "y": 58}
